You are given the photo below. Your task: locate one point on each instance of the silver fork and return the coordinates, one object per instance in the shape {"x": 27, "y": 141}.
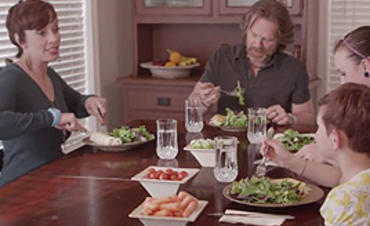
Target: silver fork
{"x": 229, "y": 93}
{"x": 261, "y": 168}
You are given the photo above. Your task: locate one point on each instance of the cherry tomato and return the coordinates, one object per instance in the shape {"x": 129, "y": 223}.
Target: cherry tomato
{"x": 156, "y": 175}
{"x": 183, "y": 173}
{"x": 163, "y": 176}
{"x": 180, "y": 177}
{"x": 169, "y": 171}
{"x": 174, "y": 176}
{"x": 151, "y": 175}
{"x": 151, "y": 170}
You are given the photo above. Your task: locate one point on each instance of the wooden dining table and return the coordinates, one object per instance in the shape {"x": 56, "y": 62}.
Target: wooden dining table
{"x": 92, "y": 187}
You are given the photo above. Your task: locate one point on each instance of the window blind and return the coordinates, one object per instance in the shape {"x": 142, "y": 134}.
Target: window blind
{"x": 73, "y": 59}
{"x": 344, "y": 16}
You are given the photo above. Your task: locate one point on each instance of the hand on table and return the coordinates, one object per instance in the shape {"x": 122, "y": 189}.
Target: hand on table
{"x": 278, "y": 115}
{"x": 96, "y": 106}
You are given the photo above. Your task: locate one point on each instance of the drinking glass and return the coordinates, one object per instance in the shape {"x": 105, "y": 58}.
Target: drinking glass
{"x": 226, "y": 169}
{"x": 193, "y": 115}
{"x": 167, "y": 147}
{"x": 256, "y": 125}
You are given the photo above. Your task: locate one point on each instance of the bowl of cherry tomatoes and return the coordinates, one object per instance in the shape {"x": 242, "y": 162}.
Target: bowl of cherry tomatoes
{"x": 163, "y": 181}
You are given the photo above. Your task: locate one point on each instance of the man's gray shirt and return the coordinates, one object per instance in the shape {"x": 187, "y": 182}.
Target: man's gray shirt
{"x": 282, "y": 81}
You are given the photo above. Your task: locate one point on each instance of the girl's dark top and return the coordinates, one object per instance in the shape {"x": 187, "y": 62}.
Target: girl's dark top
{"x": 25, "y": 124}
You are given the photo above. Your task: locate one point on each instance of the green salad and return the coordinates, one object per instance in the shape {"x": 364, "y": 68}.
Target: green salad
{"x": 232, "y": 119}
{"x": 129, "y": 135}
{"x": 240, "y": 93}
{"x": 203, "y": 144}
{"x": 294, "y": 141}
{"x": 265, "y": 190}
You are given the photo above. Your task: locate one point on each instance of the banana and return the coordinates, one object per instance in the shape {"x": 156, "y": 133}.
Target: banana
{"x": 187, "y": 61}
{"x": 179, "y": 59}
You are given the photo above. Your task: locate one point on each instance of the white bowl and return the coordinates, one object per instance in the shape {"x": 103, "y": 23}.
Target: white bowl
{"x": 169, "y": 72}
{"x": 162, "y": 188}
{"x": 167, "y": 221}
{"x": 205, "y": 157}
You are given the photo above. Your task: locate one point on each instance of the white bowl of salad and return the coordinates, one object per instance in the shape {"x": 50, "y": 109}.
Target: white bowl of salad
{"x": 204, "y": 151}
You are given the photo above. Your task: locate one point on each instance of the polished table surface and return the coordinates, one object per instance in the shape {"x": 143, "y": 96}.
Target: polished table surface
{"x": 47, "y": 196}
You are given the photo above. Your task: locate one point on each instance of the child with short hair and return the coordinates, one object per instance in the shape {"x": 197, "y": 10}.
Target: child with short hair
{"x": 343, "y": 132}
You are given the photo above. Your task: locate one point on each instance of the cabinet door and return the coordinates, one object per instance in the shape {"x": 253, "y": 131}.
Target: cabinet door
{"x": 241, "y": 6}
{"x": 173, "y": 7}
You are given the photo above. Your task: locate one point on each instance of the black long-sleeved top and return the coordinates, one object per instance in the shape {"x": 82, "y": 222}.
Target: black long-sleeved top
{"x": 25, "y": 124}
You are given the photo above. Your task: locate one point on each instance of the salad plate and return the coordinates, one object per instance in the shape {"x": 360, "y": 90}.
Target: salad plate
{"x": 232, "y": 122}
{"x": 232, "y": 129}
{"x": 115, "y": 148}
{"x": 129, "y": 137}
{"x": 313, "y": 194}
{"x": 293, "y": 140}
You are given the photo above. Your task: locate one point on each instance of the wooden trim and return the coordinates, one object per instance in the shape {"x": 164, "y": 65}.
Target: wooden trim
{"x": 206, "y": 9}
{"x": 226, "y": 10}
{"x": 183, "y": 19}
{"x": 295, "y": 9}
{"x": 149, "y": 80}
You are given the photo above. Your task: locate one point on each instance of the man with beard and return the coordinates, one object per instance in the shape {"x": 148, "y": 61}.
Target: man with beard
{"x": 271, "y": 78}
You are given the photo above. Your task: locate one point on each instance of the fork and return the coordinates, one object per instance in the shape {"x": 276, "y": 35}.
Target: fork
{"x": 229, "y": 93}
{"x": 261, "y": 168}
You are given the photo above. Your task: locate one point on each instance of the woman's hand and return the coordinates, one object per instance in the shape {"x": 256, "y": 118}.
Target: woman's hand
{"x": 278, "y": 115}
{"x": 96, "y": 106}
{"x": 68, "y": 121}
{"x": 275, "y": 151}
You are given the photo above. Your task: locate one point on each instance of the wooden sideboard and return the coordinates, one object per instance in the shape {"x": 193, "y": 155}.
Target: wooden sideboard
{"x": 195, "y": 28}
{"x": 151, "y": 98}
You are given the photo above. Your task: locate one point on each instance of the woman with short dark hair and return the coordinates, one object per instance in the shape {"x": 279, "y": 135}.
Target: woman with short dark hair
{"x": 38, "y": 110}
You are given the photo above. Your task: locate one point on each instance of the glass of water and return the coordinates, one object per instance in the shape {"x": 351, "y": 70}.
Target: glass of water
{"x": 193, "y": 115}
{"x": 226, "y": 169}
{"x": 167, "y": 139}
{"x": 256, "y": 125}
